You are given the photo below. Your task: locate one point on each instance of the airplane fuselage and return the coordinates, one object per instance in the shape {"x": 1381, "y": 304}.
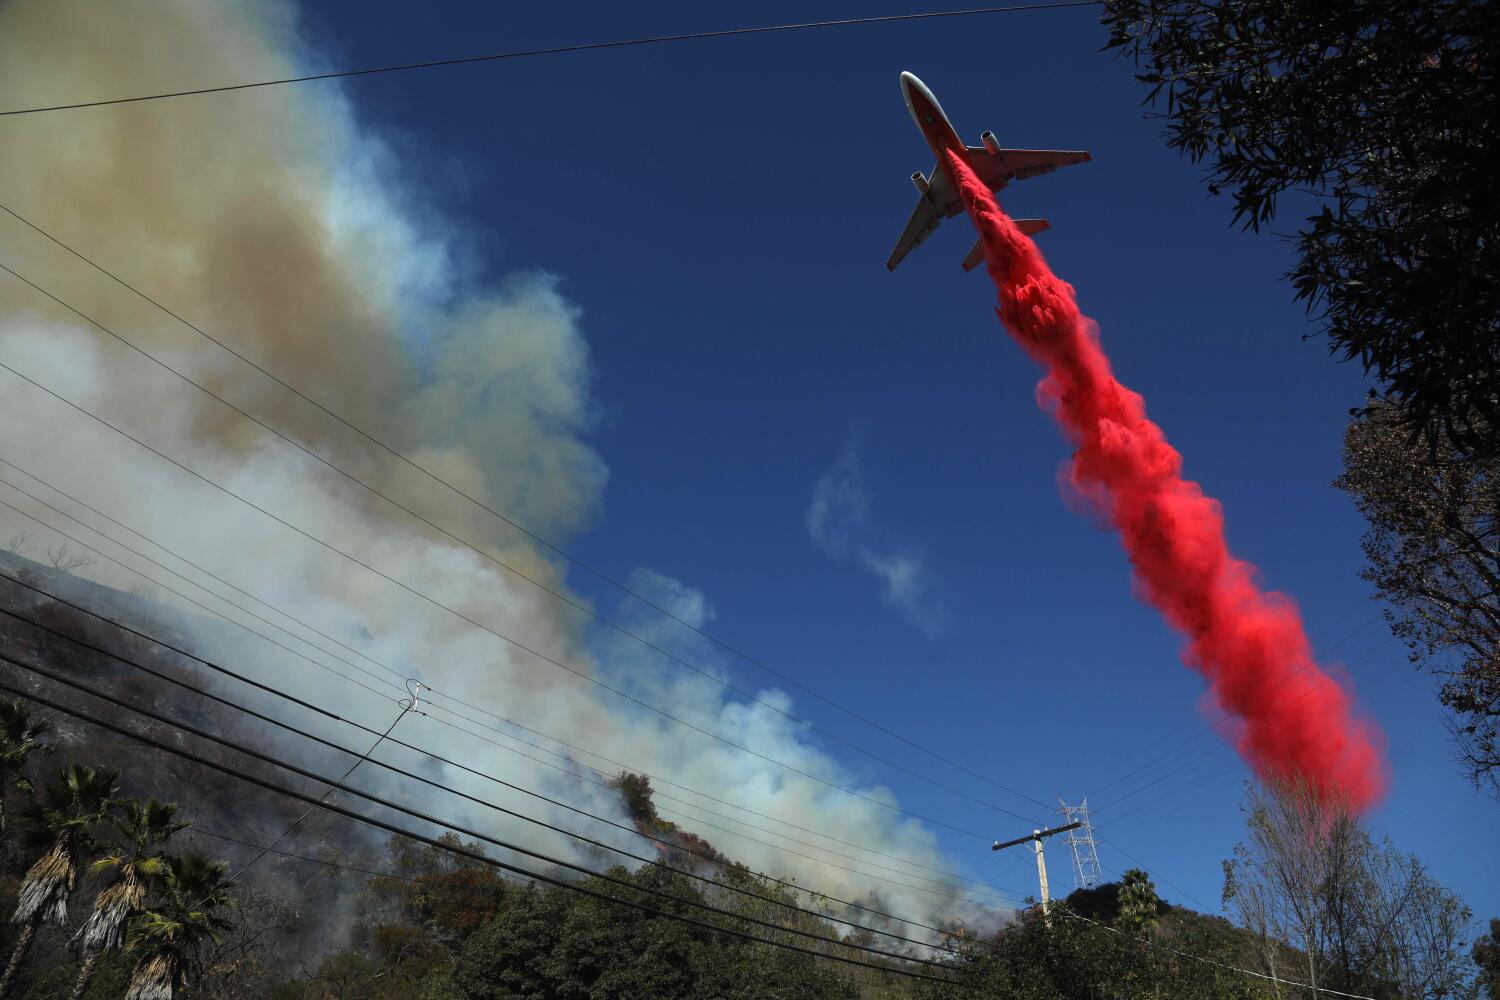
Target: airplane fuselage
{"x": 939, "y": 132}
{"x": 928, "y": 114}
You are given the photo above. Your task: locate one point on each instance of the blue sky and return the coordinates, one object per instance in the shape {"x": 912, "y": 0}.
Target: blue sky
{"x": 721, "y": 212}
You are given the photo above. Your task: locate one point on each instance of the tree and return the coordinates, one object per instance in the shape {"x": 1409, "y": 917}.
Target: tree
{"x": 67, "y": 562}
{"x": 636, "y": 790}
{"x": 1434, "y": 555}
{"x": 1333, "y": 907}
{"x": 1383, "y": 112}
{"x": 68, "y": 811}
{"x": 143, "y": 828}
{"x": 168, "y": 937}
{"x": 1139, "y": 904}
{"x": 1487, "y": 956}
{"x": 549, "y": 943}
{"x": 20, "y": 737}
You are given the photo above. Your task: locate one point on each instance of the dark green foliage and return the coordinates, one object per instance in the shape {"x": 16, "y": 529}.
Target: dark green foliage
{"x": 1487, "y": 957}
{"x": 635, "y": 789}
{"x": 1139, "y": 905}
{"x": 1081, "y": 959}
{"x": 1384, "y": 112}
{"x": 447, "y": 894}
{"x": 557, "y": 944}
{"x": 1434, "y": 555}
{"x": 109, "y": 981}
{"x": 21, "y": 735}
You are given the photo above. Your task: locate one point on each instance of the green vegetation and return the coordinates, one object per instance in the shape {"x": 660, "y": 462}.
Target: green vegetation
{"x": 1380, "y": 114}
{"x": 1316, "y": 900}
{"x": 1377, "y": 117}
{"x": 1434, "y": 557}
{"x": 1326, "y": 903}
{"x": 158, "y": 909}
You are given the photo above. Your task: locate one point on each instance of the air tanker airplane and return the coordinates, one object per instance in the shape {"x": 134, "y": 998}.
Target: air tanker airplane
{"x": 995, "y": 166}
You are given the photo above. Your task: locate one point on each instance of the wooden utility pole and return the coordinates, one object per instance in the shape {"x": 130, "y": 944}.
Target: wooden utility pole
{"x": 1035, "y": 838}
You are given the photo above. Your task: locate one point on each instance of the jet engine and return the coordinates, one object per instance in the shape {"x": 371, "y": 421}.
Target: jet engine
{"x": 919, "y": 181}
{"x": 990, "y": 142}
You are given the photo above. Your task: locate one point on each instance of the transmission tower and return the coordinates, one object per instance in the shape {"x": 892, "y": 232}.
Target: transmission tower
{"x": 1081, "y": 840}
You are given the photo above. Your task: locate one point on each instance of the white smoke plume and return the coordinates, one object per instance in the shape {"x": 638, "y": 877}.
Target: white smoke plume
{"x": 273, "y": 220}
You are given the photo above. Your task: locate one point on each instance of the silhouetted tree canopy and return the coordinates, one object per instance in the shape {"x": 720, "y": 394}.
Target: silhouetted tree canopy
{"x": 1434, "y": 555}
{"x": 1487, "y": 957}
{"x": 1384, "y": 111}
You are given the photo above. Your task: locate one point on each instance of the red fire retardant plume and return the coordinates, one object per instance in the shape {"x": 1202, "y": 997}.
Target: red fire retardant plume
{"x": 1294, "y": 721}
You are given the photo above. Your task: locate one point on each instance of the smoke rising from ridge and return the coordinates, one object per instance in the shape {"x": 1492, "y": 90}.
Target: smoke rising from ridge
{"x": 274, "y": 221}
{"x": 1249, "y": 643}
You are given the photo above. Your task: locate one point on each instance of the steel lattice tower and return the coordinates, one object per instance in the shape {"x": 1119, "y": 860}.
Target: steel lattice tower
{"x": 1081, "y": 840}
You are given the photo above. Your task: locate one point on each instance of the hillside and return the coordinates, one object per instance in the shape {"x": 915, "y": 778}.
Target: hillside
{"x": 338, "y": 910}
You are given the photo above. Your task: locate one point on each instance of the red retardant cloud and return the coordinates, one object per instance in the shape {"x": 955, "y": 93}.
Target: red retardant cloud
{"x": 1294, "y": 721}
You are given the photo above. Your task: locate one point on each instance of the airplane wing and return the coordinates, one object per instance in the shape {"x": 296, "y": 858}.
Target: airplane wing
{"x": 924, "y": 219}
{"x": 940, "y": 202}
{"x": 995, "y": 169}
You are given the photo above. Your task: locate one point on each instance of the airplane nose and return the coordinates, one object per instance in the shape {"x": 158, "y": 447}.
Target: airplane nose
{"x": 908, "y": 79}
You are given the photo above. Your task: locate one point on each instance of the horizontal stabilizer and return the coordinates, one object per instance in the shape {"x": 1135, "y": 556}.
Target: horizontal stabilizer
{"x": 1028, "y": 226}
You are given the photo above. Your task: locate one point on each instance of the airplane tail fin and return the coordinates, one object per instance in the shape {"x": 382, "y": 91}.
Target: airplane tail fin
{"x": 1028, "y": 226}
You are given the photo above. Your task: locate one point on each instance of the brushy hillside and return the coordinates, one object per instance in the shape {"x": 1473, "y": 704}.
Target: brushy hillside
{"x": 342, "y": 911}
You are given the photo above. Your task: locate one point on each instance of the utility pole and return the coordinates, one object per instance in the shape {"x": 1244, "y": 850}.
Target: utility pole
{"x": 1036, "y": 837}
{"x": 1085, "y": 854}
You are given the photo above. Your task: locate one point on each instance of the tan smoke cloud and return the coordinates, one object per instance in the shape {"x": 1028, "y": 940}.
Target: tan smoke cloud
{"x": 258, "y": 217}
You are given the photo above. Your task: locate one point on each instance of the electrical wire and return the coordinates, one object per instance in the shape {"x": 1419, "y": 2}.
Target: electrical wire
{"x": 549, "y": 546}
{"x": 557, "y": 50}
{"x": 352, "y": 869}
{"x": 1213, "y": 726}
{"x": 310, "y": 706}
{"x": 290, "y": 827}
{"x": 499, "y": 635}
{"x": 475, "y": 855}
{"x": 179, "y": 594}
{"x": 581, "y": 838}
{"x": 495, "y": 560}
{"x": 1372, "y": 682}
{"x": 1220, "y": 747}
{"x": 322, "y": 803}
{"x": 1232, "y": 968}
{"x": 951, "y": 876}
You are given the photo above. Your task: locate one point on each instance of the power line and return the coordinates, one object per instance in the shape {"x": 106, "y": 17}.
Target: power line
{"x": 556, "y": 50}
{"x": 499, "y": 635}
{"x": 353, "y": 869}
{"x": 491, "y": 558}
{"x": 776, "y": 847}
{"x": 550, "y": 546}
{"x": 1231, "y": 968}
{"x": 309, "y": 810}
{"x": 516, "y": 848}
{"x": 185, "y": 727}
{"x": 571, "y": 774}
{"x": 1183, "y": 788}
{"x": 1220, "y": 747}
{"x": 483, "y": 858}
{"x": 1213, "y": 726}
{"x": 177, "y": 593}
{"x": 1202, "y": 906}
{"x": 218, "y": 668}
{"x": 1370, "y": 683}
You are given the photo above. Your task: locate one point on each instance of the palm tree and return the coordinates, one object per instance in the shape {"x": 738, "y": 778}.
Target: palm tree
{"x": 68, "y": 811}
{"x": 20, "y": 737}
{"x": 169, "y": 936}
{"x": 142, "y": 828}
